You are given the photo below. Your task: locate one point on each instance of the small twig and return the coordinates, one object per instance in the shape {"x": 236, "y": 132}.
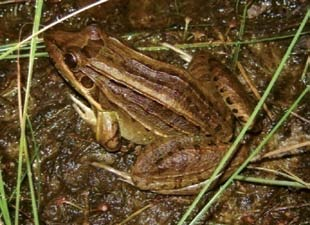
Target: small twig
{"x": 253, "y": 88}
{"x": 14, "y": 1}
{"x": 301, "y": 118}
{"x": 63, "y": 200}
{"x": 19, "y": 85}
{"x": 286, "y": 175}
{"x": 281, "y": 151}
{"x": 136, "y": 213}
{"x": 295, "y": 177}
{"x": 290, "y": 207}
{"x": 185, "y": 33}
{"x": 219, "y": 43}
{"x": 303, "y": 76}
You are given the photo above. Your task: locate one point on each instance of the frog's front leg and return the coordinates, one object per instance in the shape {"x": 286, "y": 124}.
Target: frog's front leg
{"x": 104, "y": 124}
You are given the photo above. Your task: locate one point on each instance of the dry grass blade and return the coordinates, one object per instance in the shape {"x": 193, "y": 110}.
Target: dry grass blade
{"x": 294, "y": 177}
{"x": 290, "y": 207}
{"x": 14, "y": 1}
{"x": 135, "y": 214}
{"x": 287, "y": 174}
{"x": 291, "y": 149}
{"x": 253, "y": 89}
{"x": 301, "y": 118}
{"x": 125, "y": 176}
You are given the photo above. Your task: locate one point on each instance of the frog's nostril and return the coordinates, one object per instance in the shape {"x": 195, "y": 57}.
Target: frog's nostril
{"x": 222, "y": 90}
{"x": 242, "y": 119}
{"x": 229, "y": 101}
{"x": 218, "y": 128}
{"x": 87, "y": 82}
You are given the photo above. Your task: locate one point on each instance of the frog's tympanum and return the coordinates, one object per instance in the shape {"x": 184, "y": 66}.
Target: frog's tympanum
{"x": 186, "y": 118}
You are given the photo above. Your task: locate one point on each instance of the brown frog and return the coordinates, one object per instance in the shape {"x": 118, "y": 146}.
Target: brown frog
{"x": 186, "y": 118}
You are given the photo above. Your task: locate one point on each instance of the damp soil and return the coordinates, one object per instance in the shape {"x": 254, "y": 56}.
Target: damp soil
{"x": 61, "y": 144}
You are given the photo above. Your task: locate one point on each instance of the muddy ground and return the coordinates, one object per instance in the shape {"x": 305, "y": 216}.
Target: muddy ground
{"x": 71, "y": 191}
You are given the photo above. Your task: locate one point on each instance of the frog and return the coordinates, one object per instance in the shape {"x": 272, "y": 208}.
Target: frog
{"x": 185, "y": 118}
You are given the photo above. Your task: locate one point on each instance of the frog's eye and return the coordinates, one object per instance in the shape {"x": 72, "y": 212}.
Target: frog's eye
{"x": 71, "y": 60}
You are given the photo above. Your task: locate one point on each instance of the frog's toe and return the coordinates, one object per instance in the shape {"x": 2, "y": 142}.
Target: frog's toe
{"x": 84, "y": 111}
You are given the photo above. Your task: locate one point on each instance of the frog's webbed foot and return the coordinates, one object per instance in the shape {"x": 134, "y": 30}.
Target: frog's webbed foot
{"x": 86, "y": 113}
{"x": 104, "y": 124}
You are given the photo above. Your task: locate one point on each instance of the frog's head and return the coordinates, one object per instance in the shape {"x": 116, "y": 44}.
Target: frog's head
{"x": 71, "y": 52}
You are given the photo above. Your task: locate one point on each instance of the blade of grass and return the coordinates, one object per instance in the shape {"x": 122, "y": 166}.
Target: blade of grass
{"x": 135, "y": 214}
{"x": 37, "y": 55}
{"x": 294, "y": 177}
{"x": 4, "y": 48}
{"x": 289, "y": 149}
{"x": 271, "y": 182}
{"x": 303, "y": 76}
{"x": 26, "y": 46}
{"x": 23, "y": 141}
{"x": 234, "y": 145}
{"x": 4, "y": 202}
{"x": 287, "y": 175}
{"x": 237, "y": 6}
{"x": 219, "y": 43}
{"x": 35, "y": 158}
{"x": 240, "y": 35}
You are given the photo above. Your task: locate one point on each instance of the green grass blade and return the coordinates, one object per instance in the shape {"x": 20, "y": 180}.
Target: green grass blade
{"x": 6, "y": 47}
{"x": 23, "y": 142}
{"x": 240, "y": 35}
{"x": 220, "y": 43}
{"x": 271, "y": 182}
{"x": 35, "y": 158}
{"x": 4, "y": 202}
{"x": 37, "y": 55}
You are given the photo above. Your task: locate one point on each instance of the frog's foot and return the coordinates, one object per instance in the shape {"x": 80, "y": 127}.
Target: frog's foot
{"x": 123, "y": 175}
{"x": 86, "y": 113}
